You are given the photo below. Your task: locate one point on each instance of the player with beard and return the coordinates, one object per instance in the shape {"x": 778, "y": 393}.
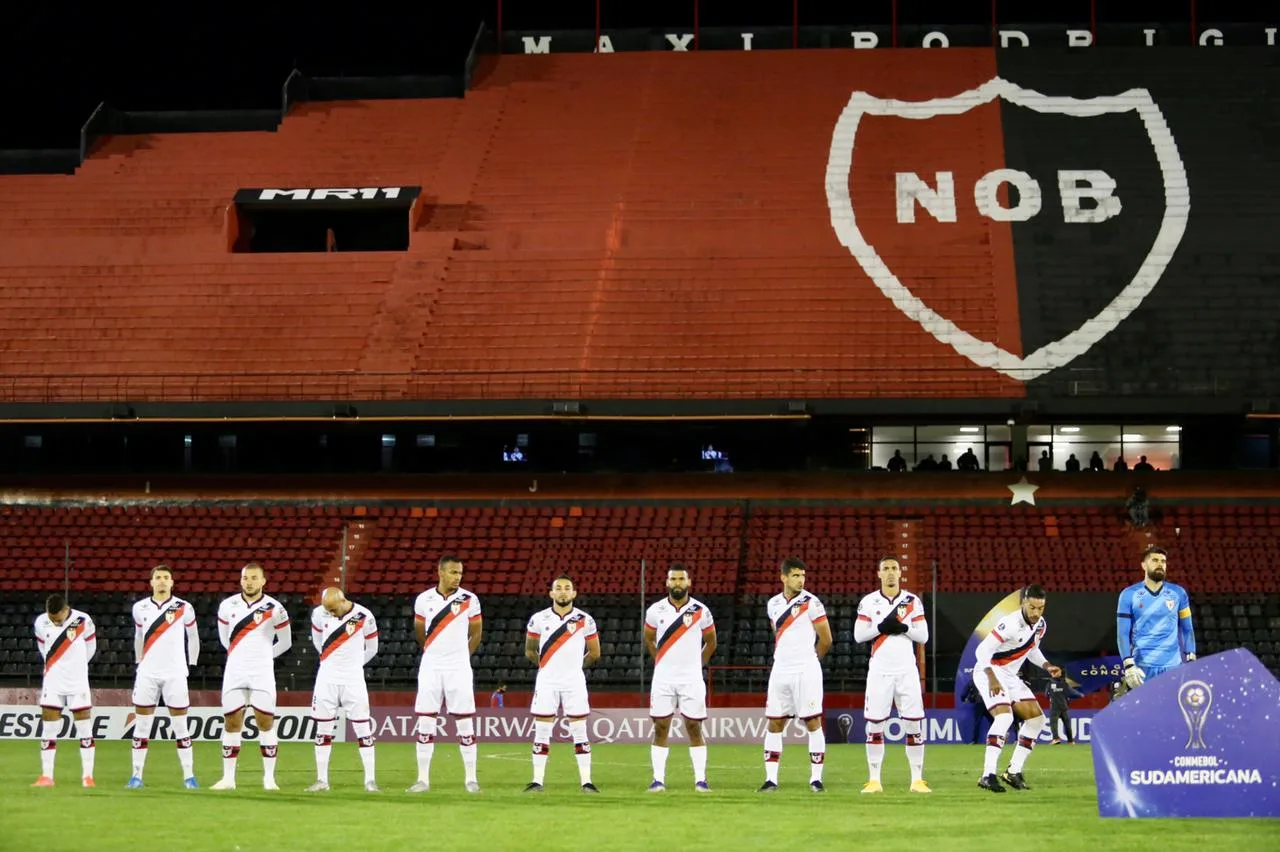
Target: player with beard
{"x": 1153, "y": 622}
{"x": 561, "y": 640}
{"x": 998, "y": 661}
{"x": 680, "y": 635}
{"x": 254, "y": 628}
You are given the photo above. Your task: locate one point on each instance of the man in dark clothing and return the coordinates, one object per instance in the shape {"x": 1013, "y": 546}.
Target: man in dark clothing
{"x": 1060, "y": 692}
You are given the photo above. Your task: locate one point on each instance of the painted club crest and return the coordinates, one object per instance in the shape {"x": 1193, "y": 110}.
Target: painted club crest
{"x": 1056, "y": 353}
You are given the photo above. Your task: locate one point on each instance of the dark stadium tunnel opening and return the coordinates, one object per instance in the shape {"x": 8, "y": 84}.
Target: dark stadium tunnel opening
{"x": 322, "y": 231}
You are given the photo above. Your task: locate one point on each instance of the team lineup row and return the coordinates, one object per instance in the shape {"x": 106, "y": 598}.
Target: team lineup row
{"x": 561, "y": 640}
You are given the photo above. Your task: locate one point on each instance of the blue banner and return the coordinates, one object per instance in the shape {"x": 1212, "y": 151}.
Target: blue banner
{"x": 1094, "y": 673}
{"x": 1201, "y": 740}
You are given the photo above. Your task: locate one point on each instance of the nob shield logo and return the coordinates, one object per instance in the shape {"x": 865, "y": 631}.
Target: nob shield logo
{"x": 896, "y": 195}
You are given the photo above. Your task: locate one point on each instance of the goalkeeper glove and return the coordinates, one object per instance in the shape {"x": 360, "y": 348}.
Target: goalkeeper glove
{"x": 891, "y": 625}
{"x": 1134, "y": 676}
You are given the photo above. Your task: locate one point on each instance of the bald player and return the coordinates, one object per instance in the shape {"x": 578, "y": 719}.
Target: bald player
{"x": 346, "y": 637}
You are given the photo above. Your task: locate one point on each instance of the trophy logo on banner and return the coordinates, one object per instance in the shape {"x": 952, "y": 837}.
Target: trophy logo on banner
{"x": 1195, "y": 697}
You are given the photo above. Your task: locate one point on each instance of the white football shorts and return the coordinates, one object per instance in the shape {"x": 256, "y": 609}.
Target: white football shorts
{"x": 328, "y": 698}
{"x": 688, "y": 697}
{"x": 886, "y": 689}
{"x": 451, "y": 689}
{"x": 1014, "y": 690}
{"x": 795, "y": 694}
{"x": 148, "y": 690}
{"x": 550, "y": 697}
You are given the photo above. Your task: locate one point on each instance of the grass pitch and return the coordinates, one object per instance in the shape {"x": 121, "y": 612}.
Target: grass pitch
{"x": 1060, "y": 811}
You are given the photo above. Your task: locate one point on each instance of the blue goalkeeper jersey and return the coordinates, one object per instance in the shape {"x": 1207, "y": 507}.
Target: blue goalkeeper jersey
{"x": 1154, "y": 628}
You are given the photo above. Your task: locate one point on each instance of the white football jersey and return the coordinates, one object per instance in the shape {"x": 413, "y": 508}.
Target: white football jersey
{"x": 680, "y": 631}
{"x": 67, "y": 649}
{"x": 562, "y": 643}
{"x": 447, "y": 621}
{"x": 165, "y": 638}
{"x": 254, "y": 634}
{"x": 794, "y": 635}
{"x": 896, "y": 653}
{"x": 345, "y": 643}
{"x": 1010, "y": 642}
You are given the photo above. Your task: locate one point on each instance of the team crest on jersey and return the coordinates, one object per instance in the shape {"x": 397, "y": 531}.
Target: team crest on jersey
{"x": 902, "y": 610}
{"x": 257, "y": 617}
{"x": 71, "y": 633}
{"x": 1168, "y": 604}
{"x": 572, "y": 627}
{"x": 168, "y": 616}
{"x": 688, "y": 619}
{"x": 455, "y": 607}
{"x": 351, "y": 627}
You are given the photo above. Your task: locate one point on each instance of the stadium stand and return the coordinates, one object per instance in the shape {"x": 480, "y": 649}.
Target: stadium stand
{"x": 654, "y": 252}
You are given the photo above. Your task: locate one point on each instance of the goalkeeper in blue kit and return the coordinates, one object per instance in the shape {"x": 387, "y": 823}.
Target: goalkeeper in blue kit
{"x": 1153, "y": 623}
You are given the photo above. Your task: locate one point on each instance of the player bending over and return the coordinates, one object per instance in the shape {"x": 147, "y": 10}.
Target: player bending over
{"x": 346, "y": 637}
{"x": 67, "y": 641}
{"x": 1014, "y": 640}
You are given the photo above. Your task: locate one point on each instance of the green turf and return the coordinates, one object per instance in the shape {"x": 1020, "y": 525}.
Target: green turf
{"x": 1060, "y": 811}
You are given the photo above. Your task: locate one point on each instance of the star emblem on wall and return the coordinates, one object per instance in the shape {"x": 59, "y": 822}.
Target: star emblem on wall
{"x": 1023, "y": 492}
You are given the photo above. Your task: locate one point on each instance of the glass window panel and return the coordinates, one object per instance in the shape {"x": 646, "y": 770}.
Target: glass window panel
{"x": 1148, "y": 434}
{"x": 1062, "y": 452}
{"x": 1086, "y": 434}
{"x": 881, "y": 453}
{"x": 949, "y": 434}
{"x": 1162, "y": 456}
{"x": 999, "y": 432}
{"x": 1039, "y": 433}
{"x": 951, "y": 450}
{"x": 999, "y": 457}
{"x": 905, "y": 435}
